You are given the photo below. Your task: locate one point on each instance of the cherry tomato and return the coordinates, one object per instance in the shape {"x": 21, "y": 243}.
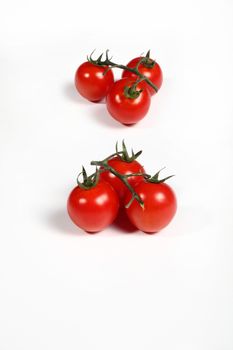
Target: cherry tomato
{"x": 124, "y": 168}
{"x": 127, "y": 110}
{"x": 159, "y": 206}
{"x": 95, "y": 208}
{"x": 154, "y": 73}
{"x": 91, "y": 83}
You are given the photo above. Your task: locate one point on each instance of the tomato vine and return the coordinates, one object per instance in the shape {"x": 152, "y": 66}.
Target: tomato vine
{"x": 107, "y": 62}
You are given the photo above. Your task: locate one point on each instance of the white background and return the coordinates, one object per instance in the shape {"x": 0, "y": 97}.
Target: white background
{"x": 61, "y": 288}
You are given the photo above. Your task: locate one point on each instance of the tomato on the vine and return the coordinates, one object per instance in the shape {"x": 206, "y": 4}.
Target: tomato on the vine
{"x": 128, "y": 103}
{"x": 159, "y": 206}
{"x": 123, "y": 168}
{"x": 124, "y": 165}
{"x": 147, "y": 67}
{"x": 93, "y": 206}
{"x": 93, "y": 82}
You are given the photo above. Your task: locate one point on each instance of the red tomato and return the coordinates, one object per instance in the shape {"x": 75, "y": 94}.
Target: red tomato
{"x": 153, "y": 73}
{"x": 159, "y": 206}
{"x": 95, "y": 208}
{"x": 91, "y": 83}
{"x": 124, "y": 168}
{"x": 127, "y": 110}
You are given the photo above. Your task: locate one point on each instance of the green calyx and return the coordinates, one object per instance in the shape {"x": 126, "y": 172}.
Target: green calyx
{"x": 100, "y": 61}
{"x": 131, "y": 92}
{"x": 147, "y": 61}
{"x": 88, "y": 181}
{"x": 124, "y": 154}
{"x": 155, "y": 179}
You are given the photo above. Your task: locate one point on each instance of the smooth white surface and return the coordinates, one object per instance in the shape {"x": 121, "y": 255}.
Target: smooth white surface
{"x": 61, "y": 288}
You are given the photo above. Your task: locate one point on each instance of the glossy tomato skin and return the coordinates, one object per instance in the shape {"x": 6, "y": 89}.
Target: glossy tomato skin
{"x": 124, "y": 109}
{"x": 159, "y": 207}
{"x": 124, "y": 168}
{"x": 95, "y": 208}
{"x": 91, "y": 83}
{"x": 155, "y": 74}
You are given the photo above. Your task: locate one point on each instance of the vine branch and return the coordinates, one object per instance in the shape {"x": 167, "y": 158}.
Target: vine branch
{"x": 109, "y": 63}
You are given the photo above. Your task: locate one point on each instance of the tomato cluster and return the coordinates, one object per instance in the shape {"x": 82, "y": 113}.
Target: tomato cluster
{"x": 128, "y": 99}
{"x": 121, "y": 183}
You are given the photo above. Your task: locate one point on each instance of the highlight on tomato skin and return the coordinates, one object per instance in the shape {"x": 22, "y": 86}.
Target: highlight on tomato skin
{"x": 127, "y": 110}
{"x": 93, "y": 82}
{"x": 160, "y": 206}
{"x": 95, "y": 208}
{"x": 154, "y": 73}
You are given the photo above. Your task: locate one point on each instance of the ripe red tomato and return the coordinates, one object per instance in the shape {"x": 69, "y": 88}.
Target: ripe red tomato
{"x": 127, "y": 110}
{"x": 91, "y": 83}
{"x": 124, "y": 168}
{"x": 95, "y": 208}
{"x": 154, "y": 73}
{"x": 159, "y": 206}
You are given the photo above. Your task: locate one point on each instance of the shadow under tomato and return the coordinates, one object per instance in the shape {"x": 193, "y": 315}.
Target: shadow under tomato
{"x": 129, "y": 125}
{"x": 123, "y": 224}
{"x": 101, "y": 115}
{"x": 60, "y": 221}
{"x": 99, "y": 112}
{"x": 73, "y": 95}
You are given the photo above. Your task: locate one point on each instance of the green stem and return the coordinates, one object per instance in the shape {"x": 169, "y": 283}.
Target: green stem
{"x": 105, "y": 160}
{"x": 107, "y": 62}
{"x": 135, "y": 71}
{"x": 123, "y": 178}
